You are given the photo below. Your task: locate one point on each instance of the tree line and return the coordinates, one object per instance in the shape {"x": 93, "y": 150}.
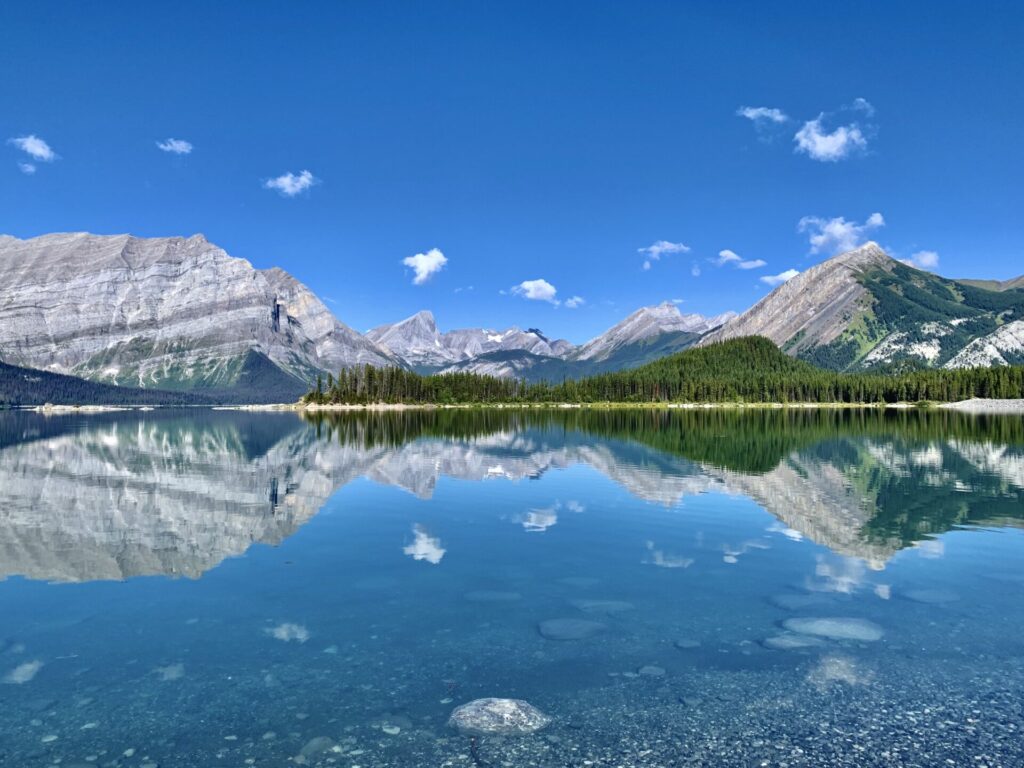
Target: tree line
{"x": 749, "y": 370}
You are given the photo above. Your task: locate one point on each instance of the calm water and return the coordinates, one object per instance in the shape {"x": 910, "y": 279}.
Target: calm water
{"x": 225, "y": 589}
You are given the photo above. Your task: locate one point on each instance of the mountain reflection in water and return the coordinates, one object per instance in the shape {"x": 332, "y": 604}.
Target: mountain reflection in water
{"x": 112, "y": 496}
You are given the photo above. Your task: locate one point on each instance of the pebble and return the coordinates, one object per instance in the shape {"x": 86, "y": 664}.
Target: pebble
{"x": 48, "y": 739}
{"x": 391, "y": 730}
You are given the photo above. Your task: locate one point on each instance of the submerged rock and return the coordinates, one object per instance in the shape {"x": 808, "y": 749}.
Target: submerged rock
{"x": 570, "y": 629}
{"x": 170, "y": 672}
{"x": 317, "y": 746}
{"x": 505, "y": 717}
{"x": 686, "y": 643}
{"x": 836, "y": 628}
{"x": 790, "y": 641}
{"x": 603, "y": 607}
{"x": 650, "y": 670}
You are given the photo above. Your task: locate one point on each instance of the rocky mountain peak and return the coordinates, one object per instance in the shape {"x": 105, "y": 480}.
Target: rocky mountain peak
{"x": 424, "y": 317}
{"x": 815, "y": 306}
{"x": 161, "y": 312}
{"x": 868, "y": 255}
{"x": 645, "y": 324}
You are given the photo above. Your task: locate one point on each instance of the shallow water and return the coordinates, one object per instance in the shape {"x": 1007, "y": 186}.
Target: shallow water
{"x": 204, "y": 588}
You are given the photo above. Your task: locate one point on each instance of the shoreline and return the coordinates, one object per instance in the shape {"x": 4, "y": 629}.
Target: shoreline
{"x": 976, "y": 405}
{"x": 972, "y": 406}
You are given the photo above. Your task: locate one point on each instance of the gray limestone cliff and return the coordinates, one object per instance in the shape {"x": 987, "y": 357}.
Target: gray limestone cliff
{"x": 161, "y": 312}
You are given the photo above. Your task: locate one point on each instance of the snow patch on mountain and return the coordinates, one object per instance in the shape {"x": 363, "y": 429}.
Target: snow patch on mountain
{"x": 1004, "y": 346}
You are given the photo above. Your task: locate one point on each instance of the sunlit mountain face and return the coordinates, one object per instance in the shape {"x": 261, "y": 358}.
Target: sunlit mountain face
{"x": 175, "y": 493}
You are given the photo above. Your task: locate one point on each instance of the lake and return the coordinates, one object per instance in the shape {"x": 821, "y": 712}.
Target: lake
{"x": 778, "y": 588}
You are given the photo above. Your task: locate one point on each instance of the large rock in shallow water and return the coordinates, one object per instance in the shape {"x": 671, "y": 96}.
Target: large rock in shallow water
{"x": 836, "y": 628}
{"x": 501, "y": 717}
{"x": 570, "y": 629}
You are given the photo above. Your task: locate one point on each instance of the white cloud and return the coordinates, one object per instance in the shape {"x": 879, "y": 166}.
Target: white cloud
{"x": 695, "y": 269}
{"x": 923, "y": 260}
{"x": 425, "y": 265}
{"x": 35, "y": 147}
{"x": 290, "y": 185}
{"x": 537, "y": 290}
{"x": 574, "y": 302}
{"x": 863, "y": 105}
{"x": 780, "y": 278}
{"x": 659, "y": 248}
{"x": 762, "y": 114}
{"x": 175, "y": 146}
{"x": 837, "y": 235}
{"x": 27, "y": 168}
{"x": 424, "y": 546}
{"x": 731, "y": 257}
{"x": 814, "y": 140}
{"x": 539, "y": 520}
{"x": 768, "y": 121}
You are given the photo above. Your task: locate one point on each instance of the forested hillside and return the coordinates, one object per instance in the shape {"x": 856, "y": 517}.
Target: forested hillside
{"x": 258, "y": 381}
{"x": 749, "y": 369}
{"x": 27, "y": 386}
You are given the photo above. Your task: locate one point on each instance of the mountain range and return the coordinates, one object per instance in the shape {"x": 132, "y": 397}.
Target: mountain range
{"x": 181, "y": 314}
{"x": 645, "y": 335}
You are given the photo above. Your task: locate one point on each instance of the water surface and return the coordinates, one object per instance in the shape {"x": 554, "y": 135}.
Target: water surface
{"x": 202, "y": 588}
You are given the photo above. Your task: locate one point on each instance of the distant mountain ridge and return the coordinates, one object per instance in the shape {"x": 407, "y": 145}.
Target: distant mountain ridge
{"x": 418, "y": 342}
{"x": 645, "y": 324}
{"x": 648, "y": 333}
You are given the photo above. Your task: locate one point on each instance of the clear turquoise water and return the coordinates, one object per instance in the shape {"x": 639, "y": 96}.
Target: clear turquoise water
{"x": 214, "y": 588}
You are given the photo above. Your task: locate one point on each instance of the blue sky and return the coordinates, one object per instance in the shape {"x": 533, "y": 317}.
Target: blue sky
{"x": 525, "y": 142}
